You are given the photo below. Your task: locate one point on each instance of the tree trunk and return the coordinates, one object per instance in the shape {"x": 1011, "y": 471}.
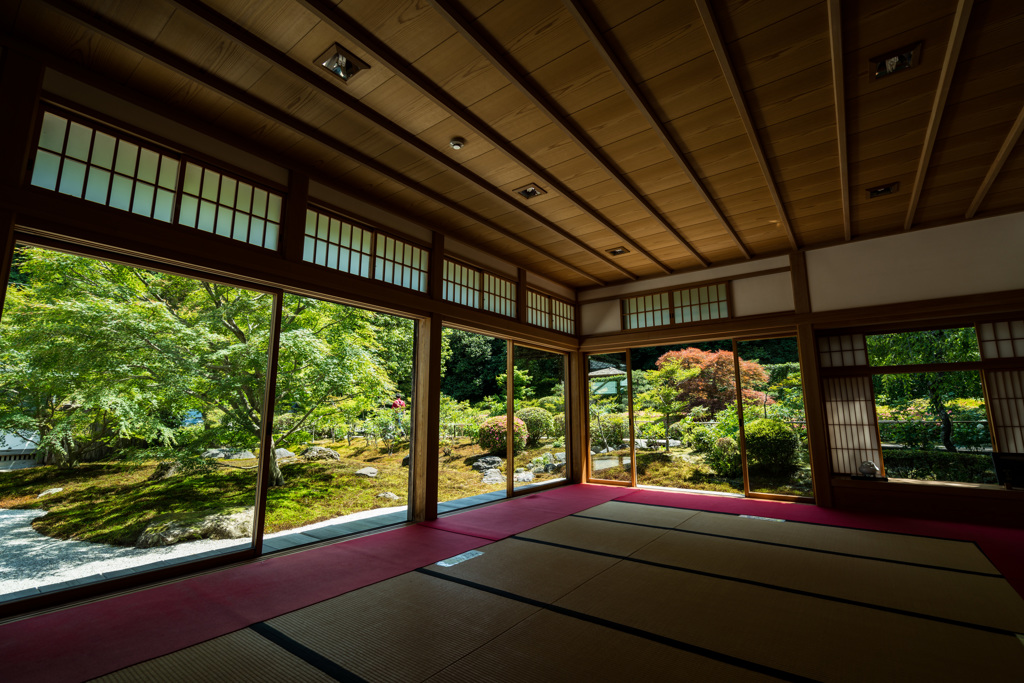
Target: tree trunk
{"x": 666, "y": 432}
{"x": 276, "y": 478}
{"x": 947, "y": 430}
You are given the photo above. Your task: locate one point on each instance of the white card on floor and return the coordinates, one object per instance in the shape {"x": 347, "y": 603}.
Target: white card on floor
{"x": 767, "y": 519}
{"x": 452, "y": 561}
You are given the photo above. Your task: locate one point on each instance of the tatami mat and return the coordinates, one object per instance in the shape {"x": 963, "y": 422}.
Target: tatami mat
{"x": 904, "y": 548}
{"x": 594, "y": 534}
{"x": 540, "y": 649}
{"x": 985, "y": 600}
{"x": 539, "y": 572}
{"x": 803, "y": 635}
{"x": 403, "y": 629}
{"x": 651, "y": 515}
{"x": 242, "y": 655}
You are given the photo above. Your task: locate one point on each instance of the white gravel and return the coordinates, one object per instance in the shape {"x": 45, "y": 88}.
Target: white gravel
{"x": 28, "y": 559}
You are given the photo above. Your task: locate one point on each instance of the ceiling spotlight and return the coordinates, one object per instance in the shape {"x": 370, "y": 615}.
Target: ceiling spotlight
{"x": 530, "y": 191}
{"x": 341, "y": 62}
{"x": 457, "y": 143}
{"x": 617, "y": 251}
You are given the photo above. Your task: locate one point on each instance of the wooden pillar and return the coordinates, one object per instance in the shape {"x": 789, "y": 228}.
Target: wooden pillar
{"x": 521, "y": 308}
{"x": 426, "y": 408}
{"x": 576, "y": 401}
{"x": 435, "y": 277}
{"x": 267, "y": 423}
{"x": 294, "y": 229}
{"x": 814, "y": 406}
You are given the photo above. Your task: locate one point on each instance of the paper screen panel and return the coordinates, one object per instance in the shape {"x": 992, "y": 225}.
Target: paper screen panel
{"x": 852, "y": 425}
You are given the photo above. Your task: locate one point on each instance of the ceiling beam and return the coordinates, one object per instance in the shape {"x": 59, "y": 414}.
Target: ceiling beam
{"x": 956, "y": 41}
{"x": 486, "y": 46}
{"x": 338, "y": 19}
{"x": 618, "y": 69}
{"x": 718, "y": 45}
{"x": 997, "y": 165}
{"x": 232, "y": 92}
{"x": 281, "y": 59}
{"x": 835, "y": 40}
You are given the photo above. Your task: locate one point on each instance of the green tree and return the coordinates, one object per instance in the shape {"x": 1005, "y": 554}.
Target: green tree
{"x": 87, "y": 342}
{"x": 663, "y": 395}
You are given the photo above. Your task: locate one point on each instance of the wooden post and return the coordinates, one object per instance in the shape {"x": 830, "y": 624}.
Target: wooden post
{"x": 21, "y": 81}
{"x": 632, "y": 421}
{"x": 576, "y": 400}
{"x": 435, "y": 277}
{"x": 267, "y": 424}
{"x": 814, "y": 414}
{"x": 294, "y": 229}
{"x": 426, "y": 414}
{"x": 739, "y": 416}
{"x": 510, "y": 420}
{"x": 522, "y": 312}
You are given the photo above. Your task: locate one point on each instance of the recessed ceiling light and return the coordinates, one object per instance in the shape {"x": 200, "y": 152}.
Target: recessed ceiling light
{"x": 898, "y": 60}
{"x": 882, "y": 190}
{"x": 617, "y": 251}
{"x": 341, "y": 62}
{"x": 457, "y": 143}
{"x": 530, "y": 191}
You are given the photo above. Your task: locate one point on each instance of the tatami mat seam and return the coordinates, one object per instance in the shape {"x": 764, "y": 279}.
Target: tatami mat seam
{"x": 800, "y": 547}
{"x": 794, "y": 591}
{"x": 306, "y": 654}
{"x": 654, "y": 637}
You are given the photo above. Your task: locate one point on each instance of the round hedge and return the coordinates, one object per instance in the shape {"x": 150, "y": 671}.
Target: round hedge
{"x": 539, "y": 423}
{"x": 558, "y": 430}
{"x": 771, "y": 445}
{"x": 609, "y": 430}
{"x": 492, "y": 435}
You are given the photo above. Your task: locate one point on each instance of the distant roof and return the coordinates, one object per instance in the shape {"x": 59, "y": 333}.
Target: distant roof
{"x": 607, "y": 372}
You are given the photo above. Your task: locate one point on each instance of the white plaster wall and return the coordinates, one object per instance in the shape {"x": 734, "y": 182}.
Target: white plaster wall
{"x": 762, "y": 294}
{"x": 105, "y": 103}
{"x": 601, "y": 317}
{"x": 680, "y": 279}
{"x": 974, "y": 257}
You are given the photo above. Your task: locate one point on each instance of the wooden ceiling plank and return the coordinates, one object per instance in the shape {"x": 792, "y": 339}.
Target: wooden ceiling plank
{"x": 366, "y": 41}
{"x": 956, "y": 39}
{"x": 617, "y": 68}
{"x": 997, "y": 164}
{"x": 279, "y": 58}
{"x": 835, "y": 39}
{"x": 486, "y": 46}
{"x": 243, "y": 98}
{"x": 715, "y": 36}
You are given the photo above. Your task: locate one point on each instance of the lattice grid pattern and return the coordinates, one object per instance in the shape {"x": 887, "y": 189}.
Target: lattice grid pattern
{"x": 842, "y": 351}
{"x": 563, "y": 316}
{"x": 223, "y": 205}
{"x": 336, "y": 244}
{"x": 1006, "y": 396}
{"x": 81, "y": 161}
{"x": 852, "y": 425}
{"x": 400, "y": 263}
{"x": 499, "y": 295}
{"x": 538, "y": 309}
{"x": 461, "y": 284}
{"x": 695, "y": 304}
{"x": 1002, "y": 339}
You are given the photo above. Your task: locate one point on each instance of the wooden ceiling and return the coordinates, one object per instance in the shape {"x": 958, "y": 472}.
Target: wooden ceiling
{"x": 691, "y": 132}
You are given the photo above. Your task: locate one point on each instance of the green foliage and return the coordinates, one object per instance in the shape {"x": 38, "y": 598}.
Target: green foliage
{"x": 647, "y": 459}
{"x": 472, "y": 361}
{"x": 539, "y": 423}
{"x": 938, "y": 465}
{"x": 702, "y": 440}
{"x": 723, "y": 456}
{"x": 492, "y": 435}
{"x": 558, "y": 426}
{"x": 771, "y": 445}
{"x": 607, "y": 429}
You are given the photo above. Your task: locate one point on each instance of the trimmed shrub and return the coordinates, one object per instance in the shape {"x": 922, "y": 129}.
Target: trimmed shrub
{"x": 973, "y": 468}
{"x": 723, "y": 456}
{"x": 539, "y": 423}
{"x": 552, "y": 404}
{"x": 677, "y": 430}
{"x": 558, "y": 426}
{"x": 492, "y": 435}
{"x": 608, "y": 431}
{"x": 771, "y": 445}
{"x": 702, "y": 440}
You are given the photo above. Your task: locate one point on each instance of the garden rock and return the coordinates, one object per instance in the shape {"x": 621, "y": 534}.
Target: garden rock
{"x": 367, "y": 472}
{"x": 47, "y": 492}
{"x": 164, "y": 470}
{"x": 523, "y": 476}
{"x": 493, "y": 476}
{"x": 405, "y": 461}
{"x": 241, "y": 455}
{"x": 283, "y": 453}
{"x": 559, "y": 458}
{"x": 219, "y": 453}
{"x": 320, "y": 453}
{"x": 218, "y": 526}
{"x": 487, "y": 462}
{"x": 389, "y": 496}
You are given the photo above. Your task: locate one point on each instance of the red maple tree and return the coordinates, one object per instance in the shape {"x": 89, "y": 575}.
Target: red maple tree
{"x": 714, "y": 386}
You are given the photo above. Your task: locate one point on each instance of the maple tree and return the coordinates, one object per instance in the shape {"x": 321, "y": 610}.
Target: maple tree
{"x": 713, "y": 386}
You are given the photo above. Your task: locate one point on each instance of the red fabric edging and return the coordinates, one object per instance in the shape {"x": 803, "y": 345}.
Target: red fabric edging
{"x": 97, "y": 638}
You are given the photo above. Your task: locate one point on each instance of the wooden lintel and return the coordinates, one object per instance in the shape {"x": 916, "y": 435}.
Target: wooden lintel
{"x": 997, "y": 164}
{"x": 835, "y": 39}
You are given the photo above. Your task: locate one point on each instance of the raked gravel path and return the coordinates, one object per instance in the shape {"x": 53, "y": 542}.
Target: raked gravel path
{"x": 29, "y": 559}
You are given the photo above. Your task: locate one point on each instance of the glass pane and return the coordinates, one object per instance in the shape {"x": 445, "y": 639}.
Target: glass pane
{"x": 342, "y": 422}
{"x": 129, "y": 454}
{"x": 51, "y": 136}
{"x": 72, "y": 178}
{"x": 774, "y": 426}
{"x": 97, "y": 186}
{"x": 164, "y": 209}
{"x": 148, "y": 161}
{"x": 103, "y": 150}
{"x": 193, "y": 178}
{"x": 687, "y": 430}
{"x": 142, "y": 202}
{"x": 44, "y": 172}
{"x": 539, "y": 395}
{"x": 934, "y": 427}
{"x": 79, "y": 142}
{"x": 609, "y": 417}
{"x": 168, "y": 173}
{"x": 926, "y": 346}
{"x": 473, "y": 419}
{"x": 127, "y": 154}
